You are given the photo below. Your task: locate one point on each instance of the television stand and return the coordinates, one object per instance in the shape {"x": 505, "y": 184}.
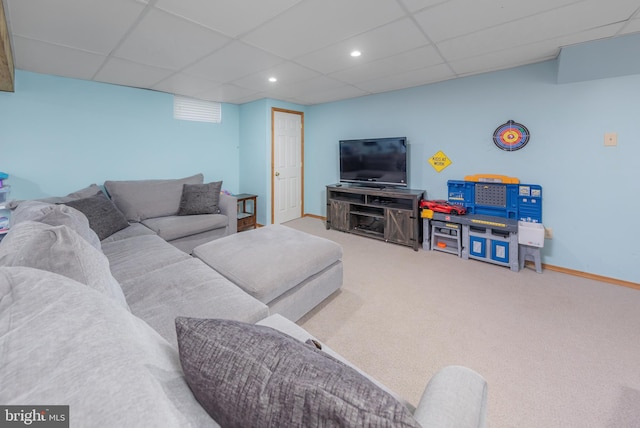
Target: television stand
{"x": 387, "y": 214}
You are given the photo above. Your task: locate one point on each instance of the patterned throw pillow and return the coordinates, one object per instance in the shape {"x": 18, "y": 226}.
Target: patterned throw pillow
{"x": 104, "y": 218}
{"x": 246, "y": 375}
{"x": 200, "y": 199}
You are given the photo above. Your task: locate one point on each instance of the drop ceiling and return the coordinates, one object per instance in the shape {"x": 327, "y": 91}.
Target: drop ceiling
{"x": 226, "y": 50}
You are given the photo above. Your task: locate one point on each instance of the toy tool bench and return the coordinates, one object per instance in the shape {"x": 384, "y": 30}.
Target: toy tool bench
{"x": 498, "y": 210}
{"x": 497, "y": 196}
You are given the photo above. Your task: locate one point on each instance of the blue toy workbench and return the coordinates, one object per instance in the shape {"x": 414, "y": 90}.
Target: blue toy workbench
{"x": 515, "y": 201}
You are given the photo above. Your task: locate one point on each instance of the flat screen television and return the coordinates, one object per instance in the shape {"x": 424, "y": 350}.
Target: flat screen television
{"x": 374, "y": 161}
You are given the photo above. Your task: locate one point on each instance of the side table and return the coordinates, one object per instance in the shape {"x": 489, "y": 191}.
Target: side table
{"x": 246, "y": 211}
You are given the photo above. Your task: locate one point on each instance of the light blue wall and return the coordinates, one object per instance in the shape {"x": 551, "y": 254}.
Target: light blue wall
{"x": 58, "y": 135}
{"x": 255, "y": 151}
{"x": 587, "y": 188}
{"x": 255, "y": 155}
{"x": 610, "y": 57}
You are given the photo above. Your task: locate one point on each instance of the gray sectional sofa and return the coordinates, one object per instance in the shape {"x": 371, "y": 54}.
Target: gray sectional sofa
{"x": 160, "y": 206}
{"x": 113, "y": 326}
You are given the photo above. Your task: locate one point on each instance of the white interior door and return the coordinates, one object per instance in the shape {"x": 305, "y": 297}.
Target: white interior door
{"x": 287, "y": 166}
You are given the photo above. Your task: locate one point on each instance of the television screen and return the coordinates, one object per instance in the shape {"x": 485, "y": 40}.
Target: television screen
{"x": 374, "y": 161}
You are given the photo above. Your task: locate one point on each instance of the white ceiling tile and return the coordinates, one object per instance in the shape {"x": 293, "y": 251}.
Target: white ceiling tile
{"x": 314, "y": 87}
{"x": 460, "y": 17}
{"x": 591, "y": 34}
{"x": 232, "y": 18}
{"x": 231, "y": 62}
{"x": 40, "y": 57}
{"x": 408, "y": 79}
{"x": 311, "y": 25}
{"x": 335, "y": 94}
{"x": 527, "y": 54}
{"x": 556, "y": 24}
{"x": 225, "y": 93}
{"x": 416, "y": 5}
{"x": 317, "y": 84}
{"x": 505, "y": 59}
{"x": 250, "y": 98}
{"x": 184, "y": 84}
{"x": 418, "y": 58}
{"x": 101, "y": 26}
{"x": 224, "y": 50}
{"x": 128, "y": 73}
{"x": 166, "y": 41}
{"x": 633, "y": 26}
{"x": 390, "y": 39}
{"x": 286, "y": 73}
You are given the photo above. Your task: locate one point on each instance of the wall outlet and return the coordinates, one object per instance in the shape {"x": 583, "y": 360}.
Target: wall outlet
{"x": 611, "y": 139}
{"x": 548, "y": 233}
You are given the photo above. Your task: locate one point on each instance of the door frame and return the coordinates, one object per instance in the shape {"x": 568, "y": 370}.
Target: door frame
{"x": 273, "y": 114}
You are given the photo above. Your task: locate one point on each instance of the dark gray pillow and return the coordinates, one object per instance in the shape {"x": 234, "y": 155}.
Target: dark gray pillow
{"x": 104, "y": 218}
{"x": 200, "y": 198}
{"x": 246, "y": 375}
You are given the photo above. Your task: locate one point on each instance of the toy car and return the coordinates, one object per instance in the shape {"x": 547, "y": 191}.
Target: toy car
{"x": 442, "y": 206}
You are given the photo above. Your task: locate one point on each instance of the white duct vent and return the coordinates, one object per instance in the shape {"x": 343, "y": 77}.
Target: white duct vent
{"x": 197, "y": 110}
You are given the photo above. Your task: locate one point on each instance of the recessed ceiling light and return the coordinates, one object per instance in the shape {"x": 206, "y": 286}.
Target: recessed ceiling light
{"x": 273, "y": 79}
{"x": 356, "y": 53}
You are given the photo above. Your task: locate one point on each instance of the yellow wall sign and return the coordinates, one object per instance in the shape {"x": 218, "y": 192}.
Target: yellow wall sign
{"x": 439, "y": 161}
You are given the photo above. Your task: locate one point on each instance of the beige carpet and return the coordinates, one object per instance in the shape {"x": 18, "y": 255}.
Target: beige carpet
{"x": 556, "y": 350}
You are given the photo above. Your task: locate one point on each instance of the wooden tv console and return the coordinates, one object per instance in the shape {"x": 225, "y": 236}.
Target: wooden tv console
{"x": 388, "y": 214}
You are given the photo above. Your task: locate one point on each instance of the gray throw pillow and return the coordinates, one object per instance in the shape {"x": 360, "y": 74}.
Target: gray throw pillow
{"x": 104, "y": 218}
{"x": 200, "y": 199}
{"x": 248, "y": 375}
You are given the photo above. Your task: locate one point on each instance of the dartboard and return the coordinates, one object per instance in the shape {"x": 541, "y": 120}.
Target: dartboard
{"x": 511, "y": 136}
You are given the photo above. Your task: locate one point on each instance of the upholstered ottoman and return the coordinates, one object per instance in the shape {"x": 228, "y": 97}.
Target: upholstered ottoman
{"x": 288, "y": 270}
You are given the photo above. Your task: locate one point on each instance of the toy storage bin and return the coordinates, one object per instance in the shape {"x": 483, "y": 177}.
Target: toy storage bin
{"x": 531, "y": 234}
{"x": 491, "y": 245}
{"x": 477, "y": 246}
{"x": 500, "y": 251}
{"x": 446, "y": 237}
{"x": 4, "y": 194}
{"x": 5, "y": 212}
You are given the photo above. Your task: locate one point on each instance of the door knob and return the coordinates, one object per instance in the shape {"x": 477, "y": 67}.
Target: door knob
{"x": 277, "y": 174}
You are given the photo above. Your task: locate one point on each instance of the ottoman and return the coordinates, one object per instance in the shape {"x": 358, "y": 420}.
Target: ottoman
{"x": 288, "y": 270}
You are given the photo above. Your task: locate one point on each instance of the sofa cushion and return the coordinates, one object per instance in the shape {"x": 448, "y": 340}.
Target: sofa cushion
{"x": 200, "y": 199}
{"x": 63, "y": 343}
{"x": 193, "y": 289}
{"x": 55, "y": 215}
{"x": 134, "y": 229}
{"x": 138, "y": 255}
{"x": 174, "y": 226}
{"x": 104, "y": 218}
{"x": 246, "y": 375}
{"x": 141, "y": 199}
{"x": 60, "y": 250}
